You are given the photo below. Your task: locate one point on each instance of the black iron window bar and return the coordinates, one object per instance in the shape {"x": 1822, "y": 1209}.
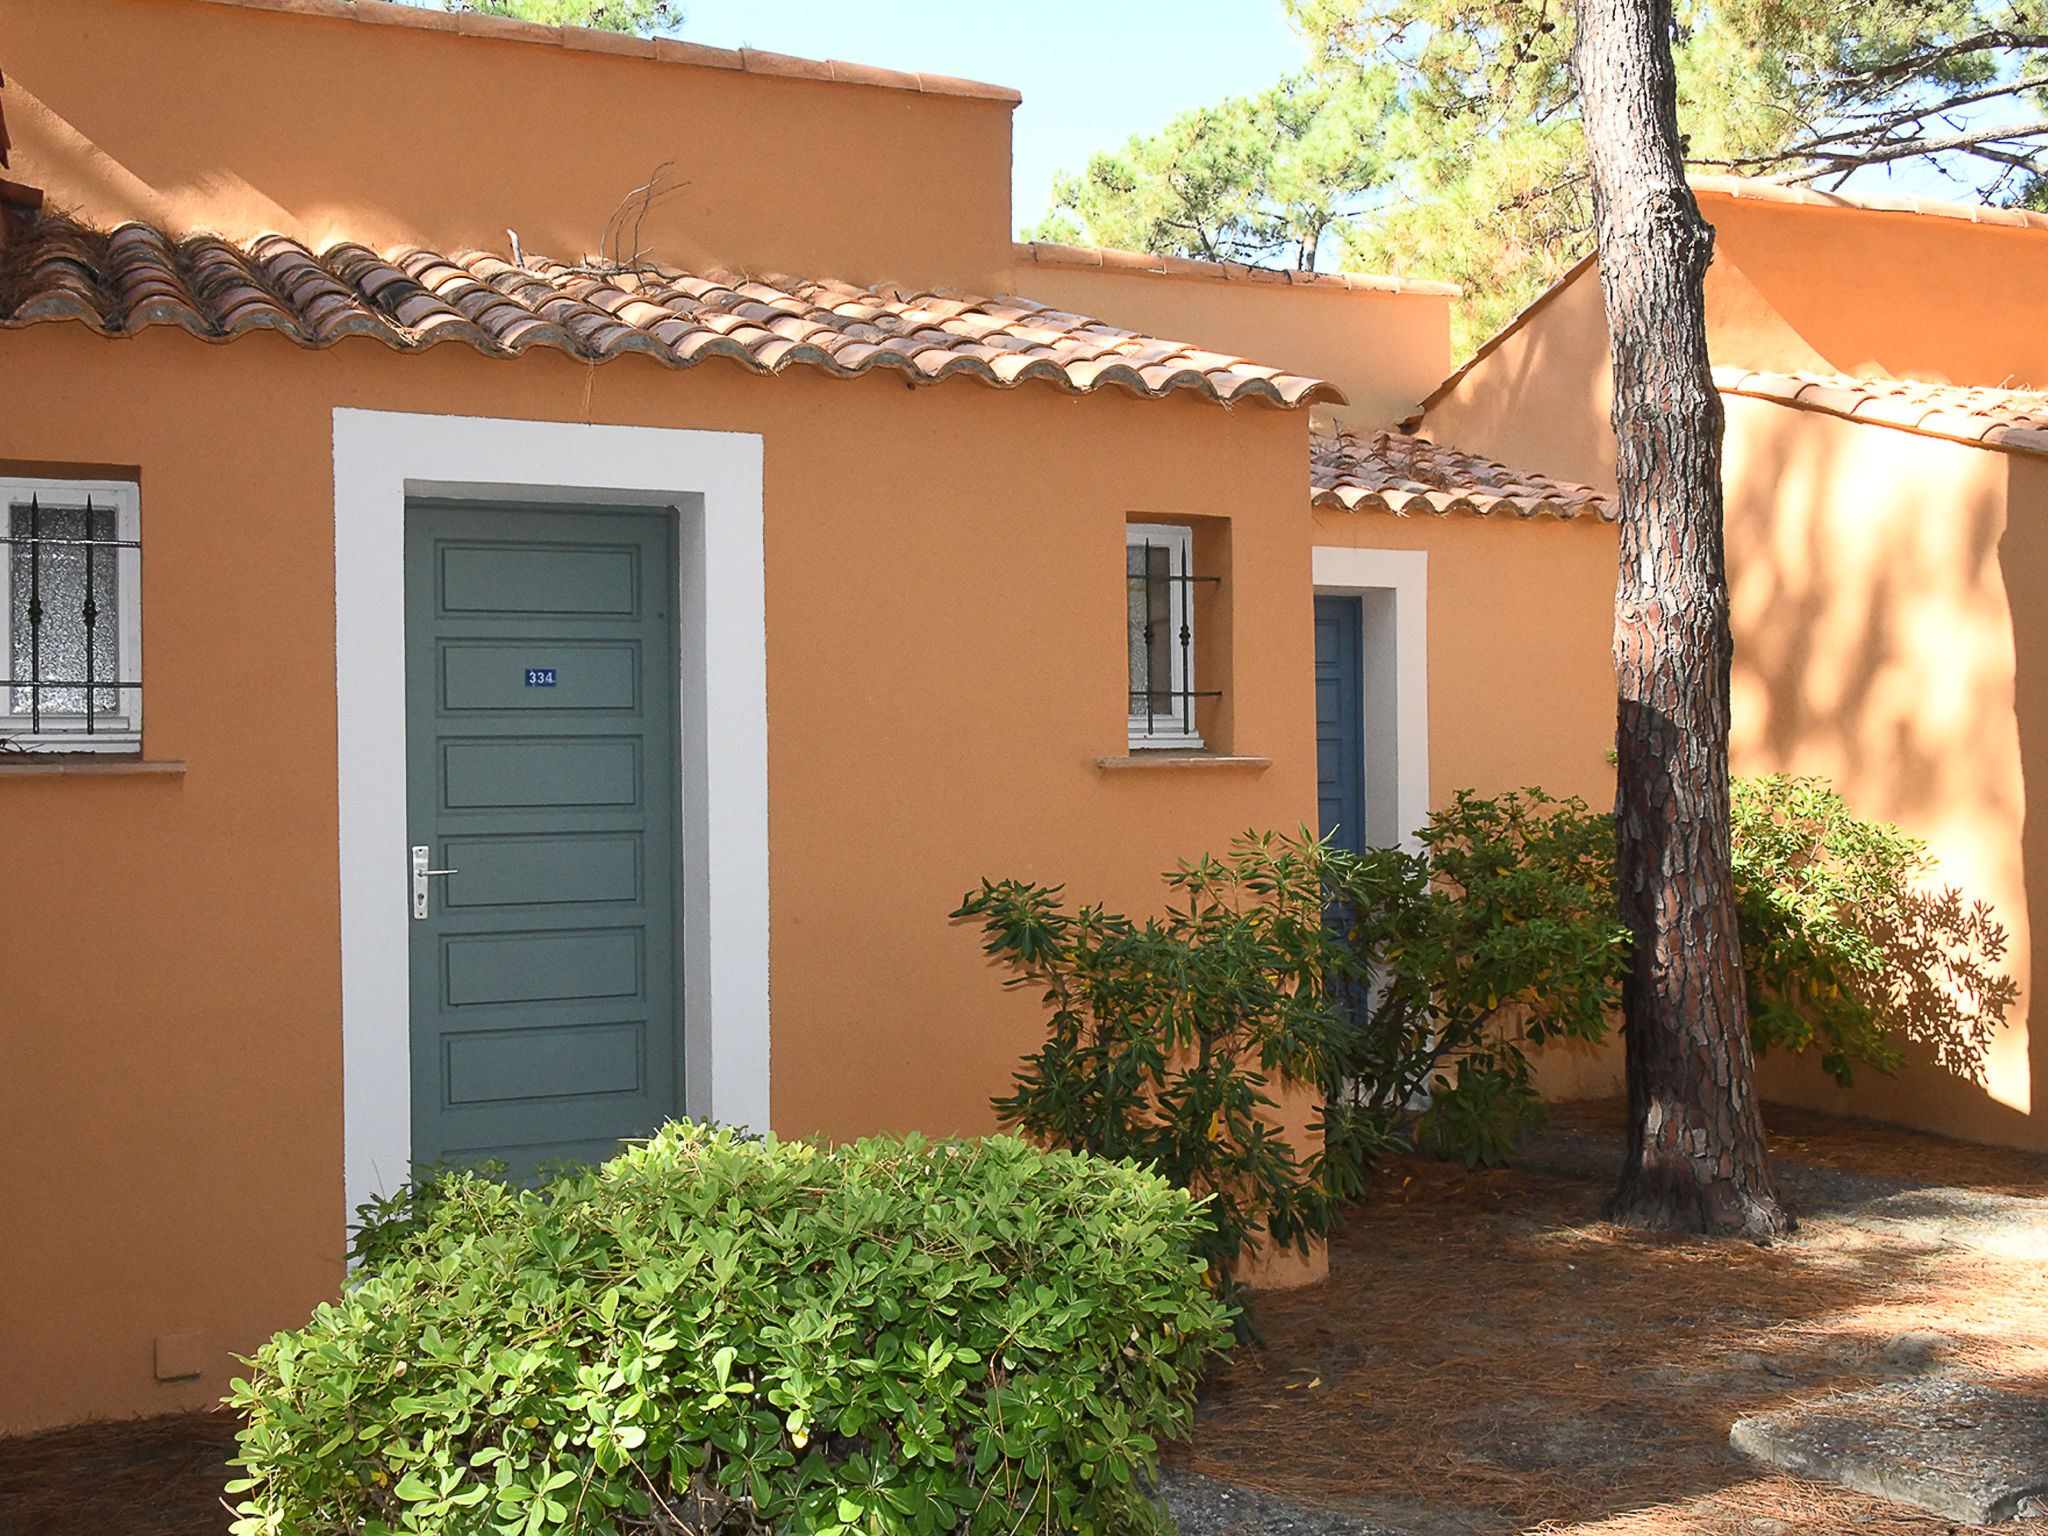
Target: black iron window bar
{"x": 97, "y": 695}
{"x": 1166, "y": 598}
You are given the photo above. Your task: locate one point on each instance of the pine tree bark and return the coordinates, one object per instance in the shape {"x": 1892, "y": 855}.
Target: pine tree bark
{"x": 1696, "y": 1154}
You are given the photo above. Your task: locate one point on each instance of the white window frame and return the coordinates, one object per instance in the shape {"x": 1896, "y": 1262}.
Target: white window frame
{"x": 1143, "y": 732}
{"x": 120, "y": 732}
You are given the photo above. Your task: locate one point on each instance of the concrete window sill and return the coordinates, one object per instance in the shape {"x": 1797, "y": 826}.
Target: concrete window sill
{"x": 84, "y": 765}
{"x": 1211, "y": 760}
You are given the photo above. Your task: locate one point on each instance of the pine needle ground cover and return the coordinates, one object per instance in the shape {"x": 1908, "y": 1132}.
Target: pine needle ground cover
{"x": 1489, "y": 1356}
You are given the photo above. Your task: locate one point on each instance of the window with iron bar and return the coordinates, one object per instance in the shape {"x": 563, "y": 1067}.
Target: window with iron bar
{"x": 1159, "y": 582}
{"x": 71, "y": 587}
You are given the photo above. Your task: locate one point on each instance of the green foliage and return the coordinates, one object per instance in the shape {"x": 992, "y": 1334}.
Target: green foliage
{"x": 1468, "y": 163}
{"x": 646, "y": 18}
{"x": 1253, "y": 179}
{"x": 1498, "y": 937}
{"x": 707, "y": 1333}
{"x": 1168, "y": 1039}
{"x": 1402, "y": 990}
{"x": 1845, "y": 947}
{"x": 1406, "y": 990}
{"x": 1493, "y": 189}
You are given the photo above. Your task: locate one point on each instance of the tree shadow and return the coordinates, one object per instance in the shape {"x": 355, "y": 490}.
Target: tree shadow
{"x": 1882, "y": 605}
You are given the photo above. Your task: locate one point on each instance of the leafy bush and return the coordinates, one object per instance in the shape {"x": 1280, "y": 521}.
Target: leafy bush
{"x": 1459, "y": 960}
{"x": 1845, "y": 946}
{"x": 711, "y": 1334}
{"x": 1165, "y": 1036}
{"x": 1400, "y": 989}
{"x": 1407, "y": 989}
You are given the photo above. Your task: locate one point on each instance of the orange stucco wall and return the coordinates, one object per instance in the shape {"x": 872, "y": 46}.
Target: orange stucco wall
{"x": 1904, "y": 295}
{"x": 1521, "y": 690}
{"x": 1541, "y": 399}
{"x": 1882, "y": 583}
{"x": 203, "y": 116}
{"x": 945, "y": 654}
{"x": 1384, "y": 350}
{"x": 1876, "y": 577}
{"x": 1793, "y": 289}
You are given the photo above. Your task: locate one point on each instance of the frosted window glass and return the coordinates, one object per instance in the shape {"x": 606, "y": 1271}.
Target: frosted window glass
{"x": 53, "y": 578}
{"x": 1148, "y": 569}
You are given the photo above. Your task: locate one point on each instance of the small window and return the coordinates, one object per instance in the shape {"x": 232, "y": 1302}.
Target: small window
{"x": 71, "y": 587}
{"x": 1158, "y": 566}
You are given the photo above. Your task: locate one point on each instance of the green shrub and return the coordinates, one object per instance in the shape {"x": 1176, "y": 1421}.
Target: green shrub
{"x": 1500, "y": 935}
{"x": 1407, "y": 989}
{"x": 1167, "y": 1039}
{"x": 1396, "y": 988}
{"x": 714, "y": 1334}
{"x": 1845, "y": 945}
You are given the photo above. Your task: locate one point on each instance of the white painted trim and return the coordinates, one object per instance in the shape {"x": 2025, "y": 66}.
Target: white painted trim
{"x": 1396, "y": 675}
{"x": 713, "y": 481}
{"x": 112, "y": 733}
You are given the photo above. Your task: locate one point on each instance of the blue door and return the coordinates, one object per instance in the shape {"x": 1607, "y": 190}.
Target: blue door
{"x": 1340, "y": 721}
{"x": 541, "y": 733}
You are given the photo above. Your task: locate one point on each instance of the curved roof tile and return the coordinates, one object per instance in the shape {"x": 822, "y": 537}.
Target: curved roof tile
{"x": 1411, "y": 476}
{"x": 2013, "y": 419}
{"x": 410, "y": 299}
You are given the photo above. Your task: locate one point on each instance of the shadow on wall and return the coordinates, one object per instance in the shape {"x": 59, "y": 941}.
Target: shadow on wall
{"x": 1873, "y": 584}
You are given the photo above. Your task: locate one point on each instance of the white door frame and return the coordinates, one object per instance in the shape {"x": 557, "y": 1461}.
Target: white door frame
{"x": 1395, "y": 671}
{"x": 712, "y": 481}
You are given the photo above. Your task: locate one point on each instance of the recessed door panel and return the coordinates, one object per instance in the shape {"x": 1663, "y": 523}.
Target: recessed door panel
{"x": 556, "y": 1062}
{"x": 542, "y": 750}
{"x": 1340, "y": 721}
{"x": 524, "y": 675}
{"x": 524, "y": 870}
{"x": 541, "y": 967}
{"x": 501, "y": 774}
{"x": 557, "y": 580}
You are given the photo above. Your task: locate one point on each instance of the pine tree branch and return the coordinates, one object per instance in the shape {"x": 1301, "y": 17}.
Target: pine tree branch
{"x": 1999, "y": 39}
{"x": 1879, "y": 150}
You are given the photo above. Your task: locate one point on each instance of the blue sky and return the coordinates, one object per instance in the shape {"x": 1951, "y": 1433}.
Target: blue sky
{"x": 1093, "y": 72}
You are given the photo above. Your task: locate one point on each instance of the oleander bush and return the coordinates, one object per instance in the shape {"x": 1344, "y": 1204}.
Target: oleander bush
{"x": 1406, "y": 989}
{"x": 1400, "y": 991}
{"x": 1456, "y": 961}
{"x": 1167, "y": 1039}
{"x": 712, "y": 1334}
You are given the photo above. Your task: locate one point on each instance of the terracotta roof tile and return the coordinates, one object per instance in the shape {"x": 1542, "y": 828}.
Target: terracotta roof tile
{"x": 409, "y": 299}
{"x": 1407, "y": 476}
{"x": 2015, "y": 419}
{"x": 666, "y": 50}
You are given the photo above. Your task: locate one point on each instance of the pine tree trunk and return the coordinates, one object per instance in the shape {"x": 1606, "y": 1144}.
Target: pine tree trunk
{"x": 1696, "y": 1155}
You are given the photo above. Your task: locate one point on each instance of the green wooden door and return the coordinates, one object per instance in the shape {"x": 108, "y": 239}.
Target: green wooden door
{"x": 541, "y": 752}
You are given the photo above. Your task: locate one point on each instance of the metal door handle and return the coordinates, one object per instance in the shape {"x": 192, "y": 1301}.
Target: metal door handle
{"x": 422, "y": 856}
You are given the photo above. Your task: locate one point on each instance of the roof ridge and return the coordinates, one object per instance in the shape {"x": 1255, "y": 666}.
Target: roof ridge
{"x": 1976, "y": 415}
{"x": 665, "y": 50}
{"x": 1758, "y": 190}
{"x": 1052, "y": 254}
